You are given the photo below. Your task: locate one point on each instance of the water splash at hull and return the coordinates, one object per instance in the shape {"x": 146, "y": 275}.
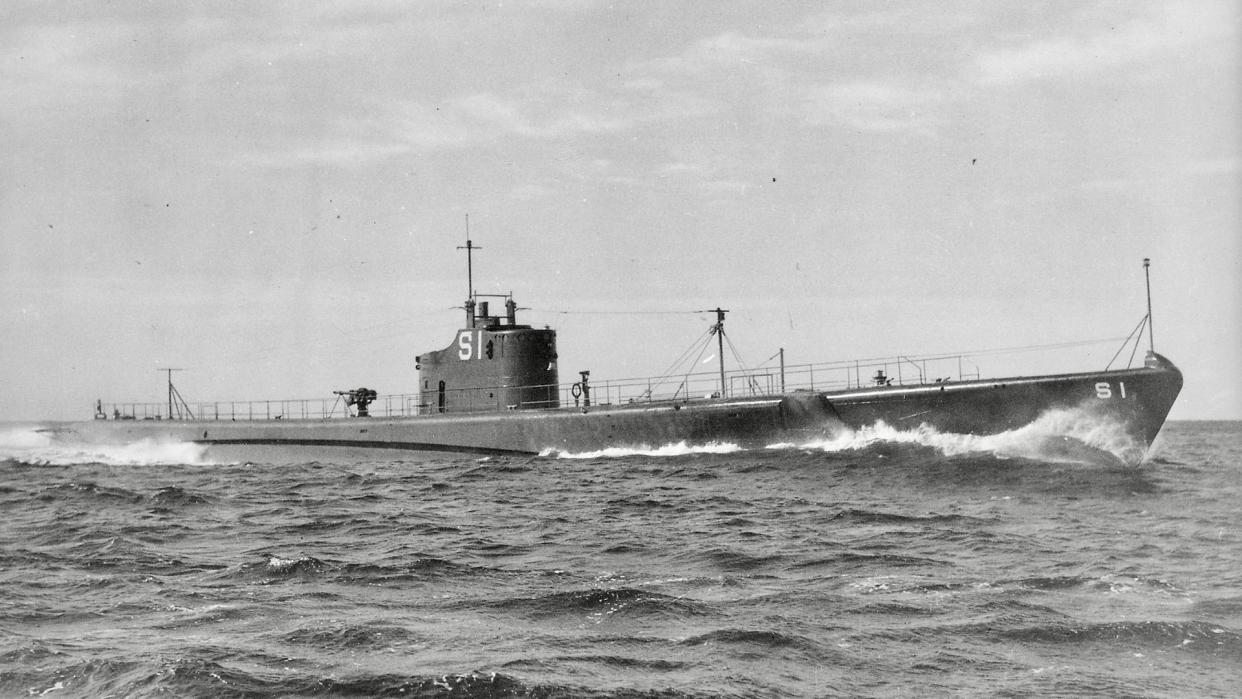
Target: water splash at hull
{"x": 1059, "y": 435}
{"x": 43, "y": 446}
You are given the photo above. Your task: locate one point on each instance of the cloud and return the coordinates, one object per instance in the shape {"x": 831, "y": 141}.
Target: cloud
{"x": 1216, "y": 166}
{"x": 726, "y": 186}
{"x": 781, "y": 76}
{"x": 510, "y": 116}
{"x": 1054, "y": 57}
{"x": 343, "y": 152}
{"x": 416, "y": 127}
{"x": 1169, "y": 173}
{"x": 532, "y": 192}
{"x": 873, "y": 106}
{"x": 1103, "y": 45}
{"x": 49, "y": 66}
{"x": 680, "y": 168}
{"x": 727, "y": 53}
{"x": 385, "y": 131}
{"x": 422, "y": 127}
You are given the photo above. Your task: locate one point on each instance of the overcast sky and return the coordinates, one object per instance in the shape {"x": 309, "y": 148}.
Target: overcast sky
{"x": 270, "y": 194}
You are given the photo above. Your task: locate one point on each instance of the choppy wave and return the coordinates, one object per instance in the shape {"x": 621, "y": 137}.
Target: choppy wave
{"x": 597, "y": 604}
{"x": 33, "y": 445}
{"x": 796, "y": 572}
{"x": 1068, "y": 435}
{"x": 179, "y": 675}
{"x": 1188, "y": 635}
{"x": 374, "y": 635}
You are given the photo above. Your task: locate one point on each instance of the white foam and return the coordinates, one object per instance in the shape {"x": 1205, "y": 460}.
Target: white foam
{"x": 35, "y": 445}
{"x": 678, "y": 449}
{"x": 1057, "y": 435}
{"x": 18, "y": 437}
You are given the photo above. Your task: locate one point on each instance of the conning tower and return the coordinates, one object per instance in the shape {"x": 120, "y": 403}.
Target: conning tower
{"x": 493, "y": 364}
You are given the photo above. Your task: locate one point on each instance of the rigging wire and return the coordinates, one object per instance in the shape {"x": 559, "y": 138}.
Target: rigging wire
{"x": 706, "y": 343}
{"x": 736, "y": 356}
{"x": 983, "y": 352}
{"x": 1137, "y": 329}
{"x": 703, "y": 339}
{"x": 685, "y": 354}
{"x": 764, "y": 363}
{"x": 1134, "y": 350}
{"x": 339, "y": 339}
{"x": 748, "y": 373}
{"x": 616, "y": 313}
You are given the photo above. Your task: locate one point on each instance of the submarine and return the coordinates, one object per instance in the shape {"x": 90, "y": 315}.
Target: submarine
{"x": 496, "y": 389}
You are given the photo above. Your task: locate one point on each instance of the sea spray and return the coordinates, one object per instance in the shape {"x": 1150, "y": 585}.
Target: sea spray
{"x": 21, "y": 437}
{"x": 677, "y": 449}
{"x": 1070, "y": 435}
{"x": 1064, "y": 435}
{"x": 33, "y": 444}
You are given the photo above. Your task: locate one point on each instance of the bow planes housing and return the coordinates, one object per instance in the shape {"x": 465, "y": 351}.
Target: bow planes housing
{"x": 496, "y": 389}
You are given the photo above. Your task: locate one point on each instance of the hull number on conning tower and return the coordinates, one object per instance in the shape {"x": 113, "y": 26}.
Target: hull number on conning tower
{"x": 466, "y": 345}
{"x": 470, "y": 345}
{"x": 1104, "y": 389}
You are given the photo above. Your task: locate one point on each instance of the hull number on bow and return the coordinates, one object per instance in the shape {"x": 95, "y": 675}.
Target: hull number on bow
{"x": 1104, "y": 389}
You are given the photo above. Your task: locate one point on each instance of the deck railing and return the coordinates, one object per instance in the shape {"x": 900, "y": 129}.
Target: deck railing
{"x": 767, "y": 381}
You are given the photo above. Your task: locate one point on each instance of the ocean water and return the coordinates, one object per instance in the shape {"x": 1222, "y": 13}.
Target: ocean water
{"x": 883, "y": 564}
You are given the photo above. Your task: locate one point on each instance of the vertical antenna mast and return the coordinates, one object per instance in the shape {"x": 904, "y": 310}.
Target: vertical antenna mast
{"x": 782, "y": 353}
{"x": 174, "y": 397}
{"x": 469, "y": 248}
{"x": 1151, "y": 332}
{"x": 170, "y": 389}
{"x": 720, "y": 313}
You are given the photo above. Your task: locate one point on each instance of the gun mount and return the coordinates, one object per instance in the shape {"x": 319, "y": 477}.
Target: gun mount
{"x": 361, "y": 397}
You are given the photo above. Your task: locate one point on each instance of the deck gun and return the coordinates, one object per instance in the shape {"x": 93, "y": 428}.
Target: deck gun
{"x": 361, "y": 397}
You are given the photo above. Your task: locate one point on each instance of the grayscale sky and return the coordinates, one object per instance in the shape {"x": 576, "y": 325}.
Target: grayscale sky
{"x": 270, "y": 195}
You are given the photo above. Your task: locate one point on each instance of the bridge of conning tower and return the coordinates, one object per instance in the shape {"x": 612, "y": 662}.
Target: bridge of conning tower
{"x": 477, "y": 315}
{"x": 494, "y": 363}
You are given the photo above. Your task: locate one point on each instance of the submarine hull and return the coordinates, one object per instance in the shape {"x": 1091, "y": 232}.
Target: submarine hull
{"x": 1134, "y": 402}
{"x": 1126, "y": 407}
